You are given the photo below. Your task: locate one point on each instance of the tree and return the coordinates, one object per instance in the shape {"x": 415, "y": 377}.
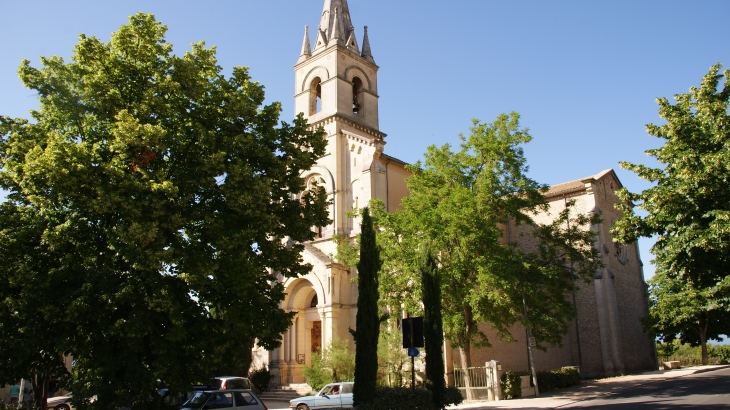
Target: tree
{"x": 433, "y": 328}
{"x": 368, "y": 317}
{"x": 458, "y": 204}
{"x": 677, "y": 309}
{"x": 149, "y": 202}
{"x": 688, "y": 206}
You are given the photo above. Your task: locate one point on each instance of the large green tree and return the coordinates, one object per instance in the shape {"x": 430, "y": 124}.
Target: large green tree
{"x": 459, "y": 203}
{"x": 368, "y": 316}
{"x": 677, "y": 309}
{"x": 688, "y": 206}
{"x": 150, "y": 199}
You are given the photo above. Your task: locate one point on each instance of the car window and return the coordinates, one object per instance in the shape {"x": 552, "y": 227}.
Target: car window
{"x": 244, "y": 399}
{"x": 237, "y": 384}
{"x": 219, "y": 401}
{"x": 326, "y": 390}
{"x": 197, "y": 400}
{"x": 347, "y": 388}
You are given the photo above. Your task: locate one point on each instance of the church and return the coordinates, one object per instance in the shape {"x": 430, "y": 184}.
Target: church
{"x": 336, "y": 87}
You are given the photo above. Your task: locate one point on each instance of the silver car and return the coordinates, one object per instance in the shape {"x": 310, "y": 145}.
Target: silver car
{"x": 332, "y": 396}
{"x": 224, "y": 400}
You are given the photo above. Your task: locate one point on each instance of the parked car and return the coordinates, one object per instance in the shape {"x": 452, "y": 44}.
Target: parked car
{"x": 59, "y": 402}
{"x": 233, "y": 382}
{"x": 332, "y": 396}
{"x": 227, "y": 399}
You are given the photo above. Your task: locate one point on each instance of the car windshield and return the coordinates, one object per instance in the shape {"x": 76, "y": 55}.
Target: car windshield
{"x": 331, "y": 389}
{"x": 197, "y": 400}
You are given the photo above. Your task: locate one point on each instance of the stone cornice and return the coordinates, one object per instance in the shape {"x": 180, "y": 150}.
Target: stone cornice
{"x": 325, "y": 51}
{"x": 377, "y": 135}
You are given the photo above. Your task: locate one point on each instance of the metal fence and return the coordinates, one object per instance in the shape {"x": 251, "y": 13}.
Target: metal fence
{"x": 479, "y": 382}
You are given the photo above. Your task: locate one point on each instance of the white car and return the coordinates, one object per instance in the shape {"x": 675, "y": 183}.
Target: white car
{"x": 59, "y": 402}
{"x": 224, "y": 400}
{"x": 332, "y": 396}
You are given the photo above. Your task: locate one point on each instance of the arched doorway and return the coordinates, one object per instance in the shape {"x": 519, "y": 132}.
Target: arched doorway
{"x": 304, "y": 336}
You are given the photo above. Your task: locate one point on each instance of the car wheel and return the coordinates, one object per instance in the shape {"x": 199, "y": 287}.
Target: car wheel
{"x": 62, "y": 407}
{"x": 302, "y": 407}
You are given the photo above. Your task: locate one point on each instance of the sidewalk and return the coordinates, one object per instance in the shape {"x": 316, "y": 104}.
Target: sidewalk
{"x": 588, "y": 390}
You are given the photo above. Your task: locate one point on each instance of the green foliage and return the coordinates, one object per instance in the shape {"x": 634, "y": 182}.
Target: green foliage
{"x": 340, "y": 360}
{"x": 689, "y": 355}
{"x": 557, "y": 379}
{"x": 368, "y": 315}
{"x": 333, "y": 364}
{"x": 687, "y": 208}
{"x": 721, "y": 353}
{"x": 317, "y": 374}
{"x": 458, "y": 201}
{"x": 511, "y": 384}
{"x": 679, "y": 309}
{"x": 452, "y": 397}
{"x": 433, "y": 333}
{"x": 260, "y": 378}
{"x": 392, "y": 358}
{"x": 399, "y": 398}
{"x": 149, "y": 199}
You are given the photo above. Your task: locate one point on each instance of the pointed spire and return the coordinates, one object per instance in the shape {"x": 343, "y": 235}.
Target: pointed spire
{"x": 366, "y": 53}
{"x": 306, "y": 50}
{"x": 336, "y": 32}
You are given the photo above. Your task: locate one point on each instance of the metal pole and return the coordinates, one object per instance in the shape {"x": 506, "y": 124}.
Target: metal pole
{"x": 413, "y": 359}
{"x": 529, "y": 347}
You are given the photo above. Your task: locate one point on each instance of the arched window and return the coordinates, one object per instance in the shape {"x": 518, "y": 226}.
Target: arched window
{"x": 314, "y": 302}
{"x": 356, "y": 95}
{"x": 314, "y": 182}
{"x": 315, "y": 96}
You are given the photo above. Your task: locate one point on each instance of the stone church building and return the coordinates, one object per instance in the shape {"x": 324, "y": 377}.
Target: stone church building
{"x": 336, "y": 87}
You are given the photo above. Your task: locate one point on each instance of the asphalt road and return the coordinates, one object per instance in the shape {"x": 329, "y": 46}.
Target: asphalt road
{"x": 707, "y": 391}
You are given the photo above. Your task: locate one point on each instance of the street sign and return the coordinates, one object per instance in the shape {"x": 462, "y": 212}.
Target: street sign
{"x": 412, "y": 329}
{"x": 413, "y": 352}
{"x": 532, "y": 342}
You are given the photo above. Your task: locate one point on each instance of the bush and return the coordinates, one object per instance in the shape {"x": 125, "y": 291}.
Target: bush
{"x": 452, "y": 396}
{"x": 719, "y": 354}
{"x": 511, "y": 384}
{"x": 317, "y": 375}
{"x": 557, "y": 379}
{"x": 399, "y": 398}
{"x": 260, "y": 378}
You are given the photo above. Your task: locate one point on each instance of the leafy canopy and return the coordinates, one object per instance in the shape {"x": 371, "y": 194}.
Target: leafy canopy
{"x": 688, "y": 209}
{"x": 459, "y": 203}
{"x": 149, "y": 199}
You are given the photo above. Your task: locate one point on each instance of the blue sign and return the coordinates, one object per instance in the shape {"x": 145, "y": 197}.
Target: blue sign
{"x": 413, "y": 352}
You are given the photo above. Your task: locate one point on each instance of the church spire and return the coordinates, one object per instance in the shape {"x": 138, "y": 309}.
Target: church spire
{"x": 306, "y": 50}
{"x": 335, "y": 33}
{"x": 331, "y": 27}
{"x": 366, "y": 53}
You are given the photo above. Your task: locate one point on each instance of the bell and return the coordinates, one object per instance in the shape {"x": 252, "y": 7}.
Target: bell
{"x": 355, "y": 105}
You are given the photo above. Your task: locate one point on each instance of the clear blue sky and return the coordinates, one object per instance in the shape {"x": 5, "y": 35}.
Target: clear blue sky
{"x": 584, "y": 75}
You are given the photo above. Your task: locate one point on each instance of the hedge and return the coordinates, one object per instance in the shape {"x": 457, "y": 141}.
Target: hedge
{"x": 546, "y": 380}
{"x": 557, "y": 379}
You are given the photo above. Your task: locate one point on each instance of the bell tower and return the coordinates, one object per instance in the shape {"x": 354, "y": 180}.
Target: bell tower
{"x": 337, "y": 88}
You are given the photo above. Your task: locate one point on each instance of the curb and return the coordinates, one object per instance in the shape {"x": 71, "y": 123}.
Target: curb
{"x": 646, "y": 383}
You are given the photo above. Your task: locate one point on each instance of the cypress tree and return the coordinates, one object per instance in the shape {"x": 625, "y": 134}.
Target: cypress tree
{"x": 433, "y": 332}
{"x": 367, "y": 321}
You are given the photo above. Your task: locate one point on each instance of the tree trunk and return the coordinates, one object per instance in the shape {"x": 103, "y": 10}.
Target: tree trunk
{"x": 466, "y": 349}
{"x": 703, "y": 324}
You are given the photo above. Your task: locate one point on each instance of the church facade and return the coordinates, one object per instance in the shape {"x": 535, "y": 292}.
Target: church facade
{"x": 336, "y": 87}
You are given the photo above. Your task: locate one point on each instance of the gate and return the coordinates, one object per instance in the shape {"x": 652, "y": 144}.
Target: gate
{"x": 480, "y": 382}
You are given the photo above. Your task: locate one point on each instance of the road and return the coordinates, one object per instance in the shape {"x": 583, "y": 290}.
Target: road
{"x": 707, "y": 391}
